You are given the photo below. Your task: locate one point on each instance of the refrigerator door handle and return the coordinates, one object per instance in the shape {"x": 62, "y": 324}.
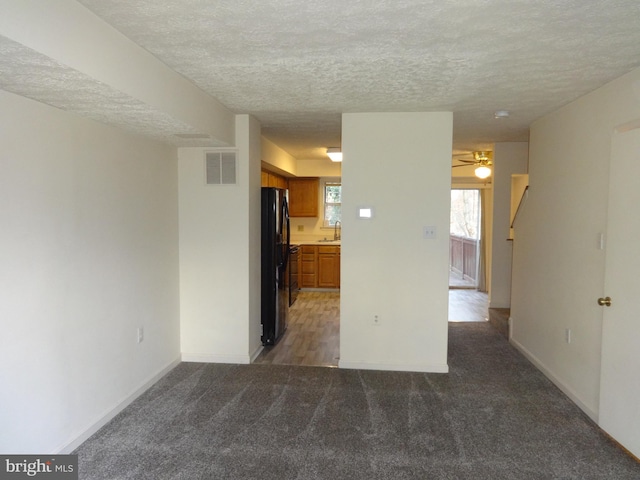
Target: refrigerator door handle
{"x": 285, "y": 218}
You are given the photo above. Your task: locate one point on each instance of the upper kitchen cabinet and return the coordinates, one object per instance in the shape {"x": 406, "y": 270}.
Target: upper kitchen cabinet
{"x": 270, "y": 179}
{"x": 303, "y": 197}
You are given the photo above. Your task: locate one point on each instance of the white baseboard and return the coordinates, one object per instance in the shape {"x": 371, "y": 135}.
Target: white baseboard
{"x": 394, "y": 367}
{"x": 256, "y": 352}
{"x": 510, "y": 326}
{"x": 593, "y": 415}
{"x": 81, "y": 437}
{"x": 215, "y": 358}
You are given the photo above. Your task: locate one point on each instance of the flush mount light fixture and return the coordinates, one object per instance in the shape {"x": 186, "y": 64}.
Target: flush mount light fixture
{"x": 335, "y": 154}
{"x": 501, "y": 114}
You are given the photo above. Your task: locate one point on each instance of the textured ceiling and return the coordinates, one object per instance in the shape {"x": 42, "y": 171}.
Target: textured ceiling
{"x": 36, "y": 76}
{"x": 298, "y": 65}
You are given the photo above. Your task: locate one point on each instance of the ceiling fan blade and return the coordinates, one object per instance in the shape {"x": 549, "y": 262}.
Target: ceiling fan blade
{"x": 467, "y": 161}
{"x": 456, "y": 166}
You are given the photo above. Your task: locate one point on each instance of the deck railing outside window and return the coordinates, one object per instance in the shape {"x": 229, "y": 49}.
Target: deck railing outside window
{"x": 463, "y": 253}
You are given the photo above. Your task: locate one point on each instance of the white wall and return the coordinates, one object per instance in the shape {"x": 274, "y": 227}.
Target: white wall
{"x": 89, "y": 252}
{"x": 508, "y": 158}
{"x": 279, "y": 161}
{"x": 318, "y": 168}
{"x": 274, "y": 156}
{"x": 399, "y": 164}
{"x": 558, "y": 270}
{"x": 249, "y": 140}
{"x": 220, "y": 255}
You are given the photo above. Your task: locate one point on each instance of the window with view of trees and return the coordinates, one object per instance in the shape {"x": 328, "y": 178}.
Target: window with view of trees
{"x": 332, "y": 203}
{"x": 465, "y": 213}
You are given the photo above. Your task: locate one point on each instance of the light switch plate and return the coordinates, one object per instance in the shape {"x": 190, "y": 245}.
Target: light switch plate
{"x": 430, "y": 232}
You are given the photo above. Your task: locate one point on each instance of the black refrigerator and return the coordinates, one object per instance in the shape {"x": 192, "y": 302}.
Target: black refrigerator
{"x": 276, "y": 239}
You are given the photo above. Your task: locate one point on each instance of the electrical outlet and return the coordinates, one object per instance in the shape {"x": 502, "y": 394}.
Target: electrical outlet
{"x": 140, "y": 334}
{"x": 567, "y": 335}
{"x": 376, "y": 320}
{"x": 301, "y": 228}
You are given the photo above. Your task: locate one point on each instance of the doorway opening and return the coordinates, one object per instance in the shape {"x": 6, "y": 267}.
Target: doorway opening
{"x": 466, "y": 302}
{"x": 464, "y": 238}
{"x": 312, "y": 337}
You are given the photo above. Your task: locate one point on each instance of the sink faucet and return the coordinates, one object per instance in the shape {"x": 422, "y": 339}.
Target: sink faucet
{"x": 335, "y": 230}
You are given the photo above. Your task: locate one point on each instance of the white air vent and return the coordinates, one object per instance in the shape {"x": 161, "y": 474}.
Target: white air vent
{"x": 221, "y": 168}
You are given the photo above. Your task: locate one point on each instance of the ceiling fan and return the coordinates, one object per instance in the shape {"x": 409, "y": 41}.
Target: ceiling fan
{"x": 482, "y": 161}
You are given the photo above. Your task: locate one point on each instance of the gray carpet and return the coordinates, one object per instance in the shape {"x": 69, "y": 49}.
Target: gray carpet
{"x": 494, "y": 416}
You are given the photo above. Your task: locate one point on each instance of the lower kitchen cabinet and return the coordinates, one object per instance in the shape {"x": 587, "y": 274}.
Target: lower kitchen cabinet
{"x": 307, "y": 270}
{"x": 328, "y": 267}
{"x": 319, "y": 266}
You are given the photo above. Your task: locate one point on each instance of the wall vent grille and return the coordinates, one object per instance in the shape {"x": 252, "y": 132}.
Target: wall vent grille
{"x": 221, "y": 168}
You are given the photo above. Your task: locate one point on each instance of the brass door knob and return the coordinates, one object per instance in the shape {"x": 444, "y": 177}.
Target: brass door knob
{"x": 604, "y": 302}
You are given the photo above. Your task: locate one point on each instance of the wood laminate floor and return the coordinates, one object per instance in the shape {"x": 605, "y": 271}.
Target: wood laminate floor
{"x": 313, "y": 332}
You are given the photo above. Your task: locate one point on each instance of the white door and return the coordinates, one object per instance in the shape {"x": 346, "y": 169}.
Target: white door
{"x": 620, "y": 374}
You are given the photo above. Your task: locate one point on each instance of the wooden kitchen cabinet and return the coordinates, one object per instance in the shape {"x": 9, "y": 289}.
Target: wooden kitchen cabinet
{"x": 319, "y": 266}
{"x": 277, "y": 181}
{"x": 307, "y": 271}
{"x": 303, "y": 197}
{"x": 328, "y": 266}
{"x": 270, "y": 179}
{"x": 338, "y": 270}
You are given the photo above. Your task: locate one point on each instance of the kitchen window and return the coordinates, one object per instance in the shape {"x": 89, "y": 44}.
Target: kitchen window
{"x": 332, "y": 204}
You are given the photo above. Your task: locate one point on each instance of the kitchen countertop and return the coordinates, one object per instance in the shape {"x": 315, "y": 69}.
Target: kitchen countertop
{"x": 314, "y": 242}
